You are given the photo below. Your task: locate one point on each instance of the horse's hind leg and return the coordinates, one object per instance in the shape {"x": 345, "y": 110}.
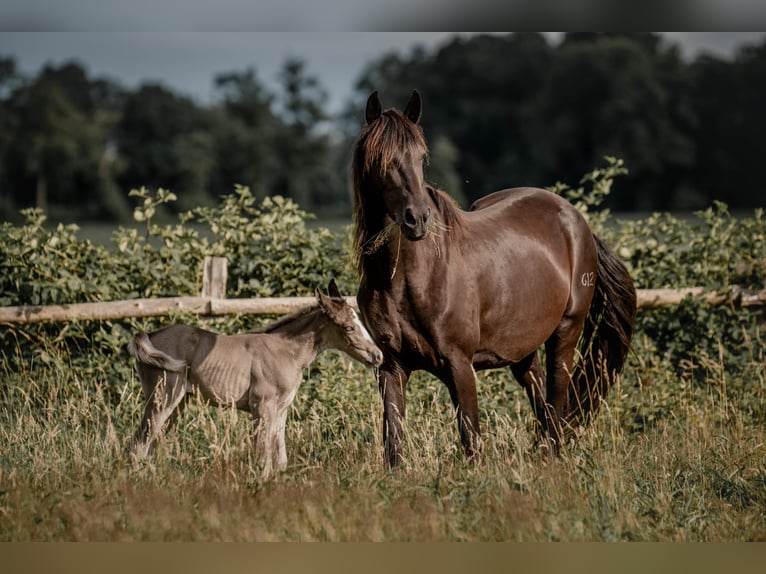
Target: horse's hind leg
{"x": 560, "y": 350}
{"x": 162, "y": 399}
{"x": 529, "y": 373}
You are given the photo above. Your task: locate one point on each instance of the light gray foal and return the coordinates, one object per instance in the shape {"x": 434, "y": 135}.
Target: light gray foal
{"x": 258, "y": 372}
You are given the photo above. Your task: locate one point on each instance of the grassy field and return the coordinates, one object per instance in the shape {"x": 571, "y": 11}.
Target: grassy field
{"x": 641, "y": 473}
{"x": 677, "y": 453}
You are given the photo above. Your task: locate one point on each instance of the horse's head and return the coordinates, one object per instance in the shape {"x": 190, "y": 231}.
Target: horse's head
{"x": 345, "y": 330}
{"x": 392, "y": 150}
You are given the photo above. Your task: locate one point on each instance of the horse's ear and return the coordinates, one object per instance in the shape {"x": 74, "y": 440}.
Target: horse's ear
{"x": 374, "y": 107}
{"x": 322, "y": 299}
{"x": 414, "y": 107}
{"x": 332, "y": 289}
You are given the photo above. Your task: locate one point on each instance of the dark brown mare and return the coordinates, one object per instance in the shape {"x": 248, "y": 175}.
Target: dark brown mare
{"x": 449, "y": 291}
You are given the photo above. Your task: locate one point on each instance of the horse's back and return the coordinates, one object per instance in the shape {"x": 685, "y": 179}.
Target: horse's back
{"x": 509, "y": 194}
{"x": 179, "y": 341}
{"x": 534, "y": 213}
{"x": 524, "y": 198}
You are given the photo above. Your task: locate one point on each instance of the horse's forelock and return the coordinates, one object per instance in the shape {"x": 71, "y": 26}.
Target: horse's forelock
{"x": 387, "y": 139}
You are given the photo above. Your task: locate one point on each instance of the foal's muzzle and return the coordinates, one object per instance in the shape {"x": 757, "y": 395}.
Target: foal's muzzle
{"x": 375, "y": 358}
{"x": 414, "y": 224}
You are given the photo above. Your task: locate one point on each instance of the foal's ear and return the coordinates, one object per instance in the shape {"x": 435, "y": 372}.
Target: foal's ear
{"x": 322, "y": 299}
{"x": 414, "y": 107}
{"x": 374, "y": 107}
{"x": 332, "y": 289}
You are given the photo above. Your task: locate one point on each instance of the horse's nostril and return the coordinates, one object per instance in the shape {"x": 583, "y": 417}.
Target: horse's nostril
{"x": 409, "y": 217}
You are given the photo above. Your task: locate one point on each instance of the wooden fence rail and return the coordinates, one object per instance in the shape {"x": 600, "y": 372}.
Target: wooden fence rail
{"x": 212, "y": 302}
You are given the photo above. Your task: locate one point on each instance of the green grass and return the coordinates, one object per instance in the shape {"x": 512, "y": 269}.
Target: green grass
{"x": 694, "y": 472}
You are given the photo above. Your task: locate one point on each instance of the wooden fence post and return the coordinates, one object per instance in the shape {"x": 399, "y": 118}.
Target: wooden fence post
{"x": 214, "y": 275}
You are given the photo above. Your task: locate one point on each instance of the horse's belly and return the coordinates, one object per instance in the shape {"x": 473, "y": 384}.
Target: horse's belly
{"x": 223, "y": 385}
{"x": 489, "y": 360}
{"x": 520, "y": 317}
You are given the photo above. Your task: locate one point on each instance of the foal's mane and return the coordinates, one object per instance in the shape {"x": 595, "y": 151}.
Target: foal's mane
{"x": 288, "y": 319}
{"x": 379, "y": 146}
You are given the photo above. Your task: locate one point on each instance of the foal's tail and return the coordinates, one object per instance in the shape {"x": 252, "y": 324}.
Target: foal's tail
{"x": 605, "y": 339}
{"x": 147, "y": 354}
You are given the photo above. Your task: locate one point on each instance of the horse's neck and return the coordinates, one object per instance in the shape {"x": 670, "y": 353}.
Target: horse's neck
{"x": 304, "y": 335}
{"x": 397, "y": 256}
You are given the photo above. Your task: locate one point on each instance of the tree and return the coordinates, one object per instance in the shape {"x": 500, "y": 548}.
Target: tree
{"x": 243, "y": 132}
{"x": 605, "y": 96}
{"x": 53, "y": 141}
{"x": 441, "y": 170}
{"x": 305, "y": 171}
{"x": 10, "y": 80}
{"x": 729, "y": 98}
{"x": 164, "y": 140}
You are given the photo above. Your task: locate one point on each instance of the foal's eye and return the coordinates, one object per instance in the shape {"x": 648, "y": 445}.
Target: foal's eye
{"x": 349, "y": 329}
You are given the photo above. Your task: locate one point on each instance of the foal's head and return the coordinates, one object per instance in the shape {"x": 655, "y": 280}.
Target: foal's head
{"x": 345, "y": 331}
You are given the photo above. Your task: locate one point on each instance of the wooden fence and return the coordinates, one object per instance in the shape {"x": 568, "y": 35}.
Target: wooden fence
{"x": 213, "y": 302}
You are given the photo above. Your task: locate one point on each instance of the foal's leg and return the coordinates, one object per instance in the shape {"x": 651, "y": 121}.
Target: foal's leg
{"x": 264, "y": 411}
{"x": 392, "y": 383}
{"x": 162, "y": 398}
{"x": 285, "y": 401}
{"x": 281, "y": 447}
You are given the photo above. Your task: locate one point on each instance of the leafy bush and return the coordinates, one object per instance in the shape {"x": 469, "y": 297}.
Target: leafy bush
{"x": 715, "y": 250}
{"x": 270, "y": 249}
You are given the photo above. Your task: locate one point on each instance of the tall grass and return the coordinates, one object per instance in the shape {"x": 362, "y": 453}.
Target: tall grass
{"x": 698, "y": 474}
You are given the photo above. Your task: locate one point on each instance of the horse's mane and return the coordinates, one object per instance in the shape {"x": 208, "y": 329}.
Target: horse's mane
{"x": 279, "y": 323}
{"x": 379, "y": 146}
{"x": 451, "y": 217}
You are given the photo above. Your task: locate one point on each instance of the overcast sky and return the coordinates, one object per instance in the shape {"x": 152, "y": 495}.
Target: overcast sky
{"x": 188, "y": 61}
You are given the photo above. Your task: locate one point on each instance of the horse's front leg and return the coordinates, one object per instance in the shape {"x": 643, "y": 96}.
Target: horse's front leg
{"x": 392, "y": 383}
{"x": 281, "y": 446}
{"x": 265, "y": 437}
{"x": 460, "y": 379}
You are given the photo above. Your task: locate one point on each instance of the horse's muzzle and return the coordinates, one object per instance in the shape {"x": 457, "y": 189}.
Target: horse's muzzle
{"x": 415, "y": 226}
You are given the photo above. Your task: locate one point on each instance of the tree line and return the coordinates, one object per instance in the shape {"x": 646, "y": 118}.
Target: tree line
{"x": 499, "y": 111}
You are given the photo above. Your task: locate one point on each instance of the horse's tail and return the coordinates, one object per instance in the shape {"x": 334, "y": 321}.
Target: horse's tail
{"x": 606, "y": 337}
{"x": 147, "y": 354}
